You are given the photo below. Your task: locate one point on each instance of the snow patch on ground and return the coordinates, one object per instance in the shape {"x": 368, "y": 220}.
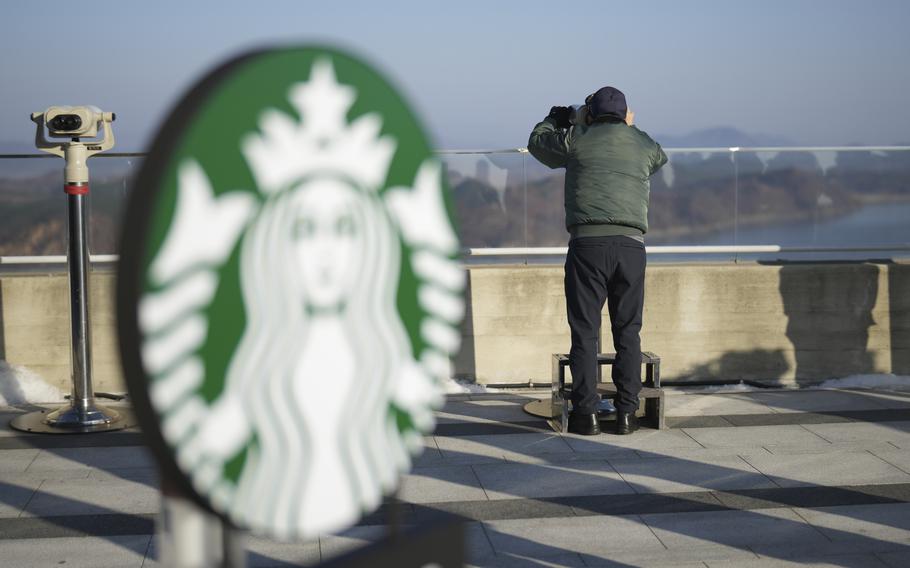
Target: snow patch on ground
{"x": 455, "y": 386}
{"x": 889, "y": 382}
{"x": 880, "y": 381}
{"x": 19, "y": 385}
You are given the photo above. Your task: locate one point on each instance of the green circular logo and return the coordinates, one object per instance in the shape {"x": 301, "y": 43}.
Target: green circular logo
{"x": 288, "y": 295}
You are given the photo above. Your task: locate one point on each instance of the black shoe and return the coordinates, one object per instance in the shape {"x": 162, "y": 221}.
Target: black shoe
{"x": 626, "y": 423}
{"x": 584, "y": 424}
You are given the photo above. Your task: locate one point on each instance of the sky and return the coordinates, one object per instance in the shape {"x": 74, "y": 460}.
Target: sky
{"x": 481, "y": 74}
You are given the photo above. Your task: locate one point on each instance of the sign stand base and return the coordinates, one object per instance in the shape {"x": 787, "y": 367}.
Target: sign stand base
{"x": 191, "y": 537}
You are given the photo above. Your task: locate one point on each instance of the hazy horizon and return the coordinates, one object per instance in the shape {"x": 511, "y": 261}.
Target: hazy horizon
{"x": 809, "y": 71}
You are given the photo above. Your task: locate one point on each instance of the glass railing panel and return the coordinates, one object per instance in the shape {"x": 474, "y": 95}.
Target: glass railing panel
{"x": 878, "y": 185}
{"x": 824, "y": 199}
{"x": 488, "y": 192}
{"x": 110, "y": 186}
{"x": 32, "y": 207}
{"x": 546, "y": 215}
{"x": 693, "y": 202}
{"x": 789, "y": 198}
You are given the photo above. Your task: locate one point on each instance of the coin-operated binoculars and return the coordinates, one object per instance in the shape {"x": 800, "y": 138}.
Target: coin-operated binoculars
{"x": 75, "y": 123}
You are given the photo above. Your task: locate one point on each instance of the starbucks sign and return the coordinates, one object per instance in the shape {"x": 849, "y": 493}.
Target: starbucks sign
{"x": 288, "y": 297}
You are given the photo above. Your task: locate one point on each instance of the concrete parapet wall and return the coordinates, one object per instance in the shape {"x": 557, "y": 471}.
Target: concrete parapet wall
{"x": 35, "y": 328}
{"x": 795, "y": 322}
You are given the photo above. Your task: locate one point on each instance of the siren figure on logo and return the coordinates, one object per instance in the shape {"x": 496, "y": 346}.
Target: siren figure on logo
{"x": 325, "y": 370}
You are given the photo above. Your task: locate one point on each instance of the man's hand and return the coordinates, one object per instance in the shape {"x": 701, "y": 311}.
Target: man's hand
{"x": 561, "y": 116}
{"x": 630, "y": 117}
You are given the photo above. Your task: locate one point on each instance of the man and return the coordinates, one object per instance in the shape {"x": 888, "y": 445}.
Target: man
{"x": 608, "y": 164}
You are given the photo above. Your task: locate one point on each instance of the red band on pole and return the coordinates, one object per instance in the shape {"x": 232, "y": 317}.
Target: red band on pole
{"x": 75, "y": 189}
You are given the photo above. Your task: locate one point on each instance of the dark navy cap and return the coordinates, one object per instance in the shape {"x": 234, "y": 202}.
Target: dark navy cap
{"x": 607, "y": 102}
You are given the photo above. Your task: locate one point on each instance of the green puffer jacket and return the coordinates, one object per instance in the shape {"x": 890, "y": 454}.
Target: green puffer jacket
{"x": 607, "y": 169}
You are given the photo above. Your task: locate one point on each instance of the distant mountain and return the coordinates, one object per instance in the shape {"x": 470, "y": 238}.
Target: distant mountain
{"x": 723, "y": 137}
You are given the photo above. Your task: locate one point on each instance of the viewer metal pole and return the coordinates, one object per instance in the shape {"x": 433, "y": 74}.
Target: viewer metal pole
{"x": 82, "y": 410}
{"x": 77, "y": 261}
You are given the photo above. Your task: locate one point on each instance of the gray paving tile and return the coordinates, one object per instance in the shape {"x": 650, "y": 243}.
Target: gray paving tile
{"x": 698, "y": 454}
{"x": 834, "y": 448}
{"x": 813, "y": 561}
{"x": 444, "y": 483}
{"x": 15, "y": 495}
{"x": 733, "y": 528}
{"x": 790, "y": 418}
{"x": 114, "y": 524}
{"x": 885, "y": 398}
{"x": 147, "y": 475}
{"x": 827, "y": 554}
{"x": 483, "y": 410}
{"x": 349, "y": 540}
{"x": 518, "y": 561}
{"x": 714, "y": 404}
{"x": 897, "y": 458}
{"x": 896, "y": 432}
{"x": 59, "y": 475}
{"x": 692, "y": 557}
{"x": 7, "y": 414}
{"x": 644, "y": 440}
{"x": 664, "y": 475}
{"x": 86, "y": 552}
{"x": 498, "y": 509}
{"x": 594, "y": 536}
{"x": 152, "y": 554}
{"x": 458, "y": 396}
{"x": 263, "y": 553}
{"x": 870, "y": 527}
{"x": 813, "y": 496}
{"x": 458, "y": 458}
{"x": 476, "y": 544}
{"x": 92, "y": 497}
{"x": 896, "y": 559}
{"x": 12, "y": 461}
{"x": 746, "y": 436}
{"x": 507, "y": 481}
{"x": 704, "y": 421}
{"x": 817, "y": 400}
{"x": 562, "y": 458}
{"x": 624, "y": 561}
{"x": 103, "y": 458}
{"x": 465, "y": 428}
{"x": 481, "y": 449}
{"x": 430, "y": 455}
{"x": 643, "y": 503}
{"x": 827, "y": 469}
{"x": 120, "y": 438}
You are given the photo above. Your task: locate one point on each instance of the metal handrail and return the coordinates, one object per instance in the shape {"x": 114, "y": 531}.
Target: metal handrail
{"x": 56, "y": 259}
{"x": 105, "y": 155}
{"x": 686, "y": 249}
{"x": 708, "y": 149}
{"x": 544, "y": 251}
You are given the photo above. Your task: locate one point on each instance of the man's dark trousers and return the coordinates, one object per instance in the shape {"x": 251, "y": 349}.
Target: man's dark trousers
{"x": 610, "y": 269}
